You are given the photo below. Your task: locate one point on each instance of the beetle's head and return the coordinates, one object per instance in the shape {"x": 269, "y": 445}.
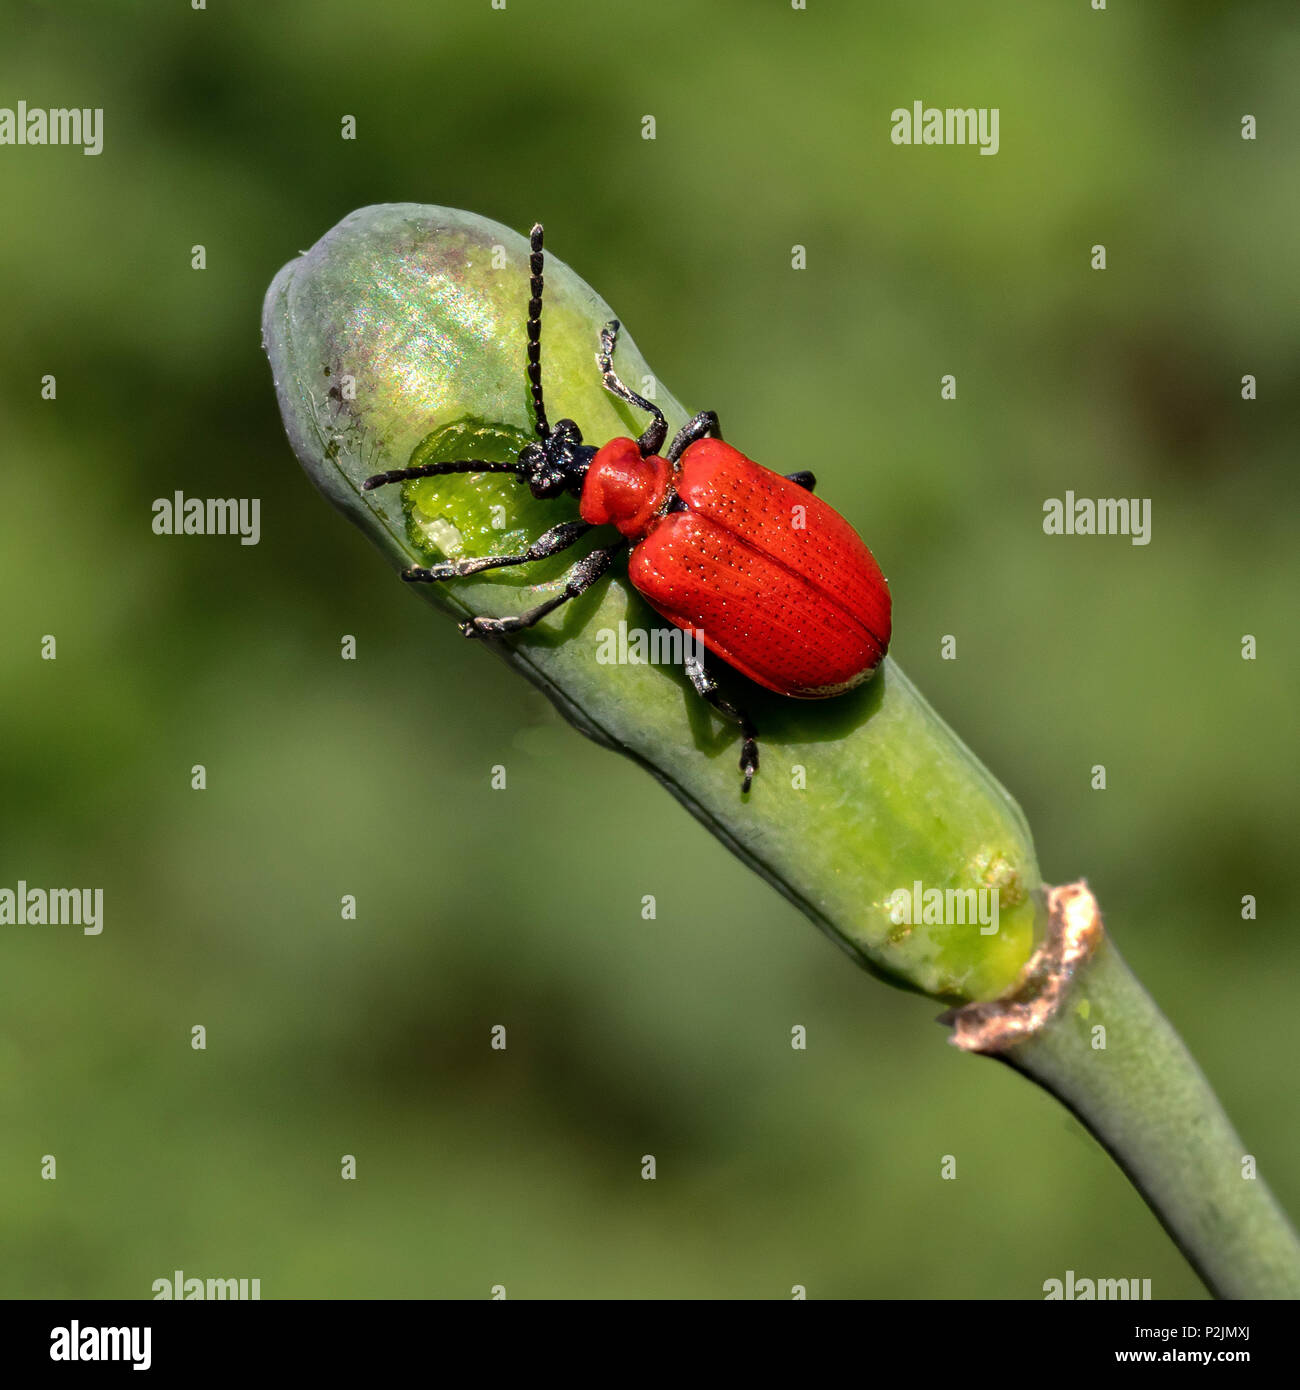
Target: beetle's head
{"x": 558, "y": 463}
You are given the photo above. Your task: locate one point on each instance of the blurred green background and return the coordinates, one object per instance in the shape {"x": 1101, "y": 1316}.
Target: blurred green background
{"x": 328, "y": 1037}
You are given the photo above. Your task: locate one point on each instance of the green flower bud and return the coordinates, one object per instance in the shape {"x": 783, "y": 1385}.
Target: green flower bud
{"x": 399, "y": 339}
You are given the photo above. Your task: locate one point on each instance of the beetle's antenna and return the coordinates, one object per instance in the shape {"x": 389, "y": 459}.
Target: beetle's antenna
{"x": 652, "y": 440}
{"x": 438, "y": 470}
{"x": 535, "y": 261}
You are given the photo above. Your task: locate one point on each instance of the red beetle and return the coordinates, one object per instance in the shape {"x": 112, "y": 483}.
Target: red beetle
{"x": 776, "y": 582}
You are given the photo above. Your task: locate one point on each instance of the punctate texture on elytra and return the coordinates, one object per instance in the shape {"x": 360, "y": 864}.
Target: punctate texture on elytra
{"x": 398, "y": 339}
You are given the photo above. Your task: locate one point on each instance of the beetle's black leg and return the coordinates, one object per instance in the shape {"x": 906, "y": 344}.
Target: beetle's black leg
{"x": 708, "y": 688}
{"x": 581, "y": 577}
{"x": 550, "y": 542}
{"x": 657, "y": 431}
{"x": 534, "y": 328}
{"x": 704, "y": 424}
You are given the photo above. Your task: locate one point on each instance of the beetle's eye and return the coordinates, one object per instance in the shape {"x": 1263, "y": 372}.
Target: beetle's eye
{"x": 547, "y": 482}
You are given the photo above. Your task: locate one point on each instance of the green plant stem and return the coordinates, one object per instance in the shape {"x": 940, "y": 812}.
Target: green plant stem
{"x": 1149, "y": 1105}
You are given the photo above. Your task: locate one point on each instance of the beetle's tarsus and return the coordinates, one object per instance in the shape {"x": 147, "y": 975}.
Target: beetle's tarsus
{"x": 749, "y": 763}
{"x": 608, "y": 341}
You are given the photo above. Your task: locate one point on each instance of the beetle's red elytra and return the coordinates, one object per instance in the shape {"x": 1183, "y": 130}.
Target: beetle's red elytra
{"x": 775, "y": 580}
{"x": 782, "y": 587}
